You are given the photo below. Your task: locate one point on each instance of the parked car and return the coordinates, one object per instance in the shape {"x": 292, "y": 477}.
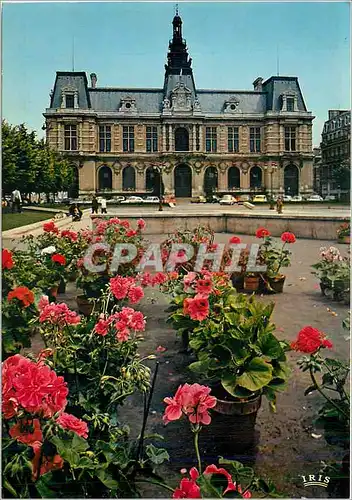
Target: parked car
{"x": 133, "y": 200}
{"x": 117, "y": 199}
{"x": 315, "y": 197}
{"x": 212, "y": 198}
{"x": 227, "y": 199}
{"x": 242, "y": 198}
{"x": 330, "y": 197}
{"x": 260, "y": 198}
{"x": 198, "y": 199}
{"x": 297, "y": 198}
{"x": 151, "y": 199}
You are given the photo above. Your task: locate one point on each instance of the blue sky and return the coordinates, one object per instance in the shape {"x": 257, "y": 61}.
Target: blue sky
{"x": 125, "y": 44}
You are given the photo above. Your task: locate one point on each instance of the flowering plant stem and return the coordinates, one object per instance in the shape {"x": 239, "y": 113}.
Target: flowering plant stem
{"x": 315, "y": 383}
{"x": 196, "y": 446}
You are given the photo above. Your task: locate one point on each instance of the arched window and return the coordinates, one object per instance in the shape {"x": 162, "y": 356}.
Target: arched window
{"x": 255, "y": 177}
{"x": 210, "y": 180}
{"x": 105, "y": 178}
{"x": 233, "y": 178}
{"x": 129, "y": 179}
{"x": 149, "y": 179}
{"x": 291, "y": 180}
{"x": 181, "y": 139}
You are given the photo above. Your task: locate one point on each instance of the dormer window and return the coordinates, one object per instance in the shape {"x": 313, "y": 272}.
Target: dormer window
{"x": 231, "y": 106}
{"x": 290, "y": 104}
{"x": 70, "y": 101}
{"x": 69, "y": 98}
{"x": 128, "y": 105}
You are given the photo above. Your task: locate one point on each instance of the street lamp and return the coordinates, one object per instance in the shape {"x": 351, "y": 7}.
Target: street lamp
{"x": 271, "y": 170}
{"x": 159, "y": 171}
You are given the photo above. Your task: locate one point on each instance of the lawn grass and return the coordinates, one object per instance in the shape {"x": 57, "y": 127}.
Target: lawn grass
{"x": 10, "y": 220}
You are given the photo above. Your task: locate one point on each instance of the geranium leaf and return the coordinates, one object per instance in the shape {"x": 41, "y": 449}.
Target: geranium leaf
{"x": 257, "y": 375}
{"x": 156, "y": 455}
{"x": 270, "y": 346}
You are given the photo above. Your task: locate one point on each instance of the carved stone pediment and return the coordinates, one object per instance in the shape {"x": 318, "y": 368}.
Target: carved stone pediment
{"x": 231, "y": 105}
{"x": 181, "y": 98}
{"x": 128, "y": 105}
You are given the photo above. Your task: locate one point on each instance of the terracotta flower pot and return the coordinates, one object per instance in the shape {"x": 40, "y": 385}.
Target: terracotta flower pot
{"x": 277, "y": 283}
{"x": 251, "y": 283}
{"x": 84, "y": 306}
{"x": 233, "y": 426}
{"x": 52, "y": 293}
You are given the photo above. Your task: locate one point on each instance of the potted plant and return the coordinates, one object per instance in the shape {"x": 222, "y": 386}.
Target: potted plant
{"x": 344, "y": 233}
{"x": 333, "y": 270}
{"x": 240, "y": 356}
{"x": 275, "y": 257}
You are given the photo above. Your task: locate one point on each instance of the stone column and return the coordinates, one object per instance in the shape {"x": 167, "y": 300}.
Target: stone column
{"x": 140, "y": 180}
{"x": 170, "y": 138}
{"x": 201, "y": 146}
{"x": 164, "y": 138}
{"x": 244, "y": 179}
{"x": 194, "y": 138}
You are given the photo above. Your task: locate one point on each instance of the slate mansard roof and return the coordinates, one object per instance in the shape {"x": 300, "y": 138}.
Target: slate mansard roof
{"x": 150, "y": 101}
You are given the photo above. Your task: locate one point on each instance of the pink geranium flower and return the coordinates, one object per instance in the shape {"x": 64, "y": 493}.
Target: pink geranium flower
{"x": 191, "y": 400}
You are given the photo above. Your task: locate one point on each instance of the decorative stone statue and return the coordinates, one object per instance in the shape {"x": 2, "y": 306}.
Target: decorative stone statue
{"x": 166, "y": 103}
{"x": 196, "y": 104}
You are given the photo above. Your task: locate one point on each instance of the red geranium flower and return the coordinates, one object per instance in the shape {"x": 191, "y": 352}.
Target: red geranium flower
{"x": 27, "y": 431}
{"x": 74, "y": 424}
{"x": 135, "y": 294}
{"x": 309, "y": 340}
{"x": 23, "y": 294}
{"x": 188, "y": 488}
{"x": 191, "y": 400}
{"x": 288, "y": 237}
{"x": 60, "y": 259}
{"x": 47, "y": 463}
{"x": 50, "y": 227}
{"x": 6, "y": 259}
{"x": 235, "y": 240}
{"x": 204, "y": 286}
{"x": 141, "y": 224}
{"x": 196, "y": 308}
{"x": 262, "y": 233}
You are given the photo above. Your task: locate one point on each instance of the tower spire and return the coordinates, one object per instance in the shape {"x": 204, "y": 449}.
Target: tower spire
{"x": 176, "y": 10}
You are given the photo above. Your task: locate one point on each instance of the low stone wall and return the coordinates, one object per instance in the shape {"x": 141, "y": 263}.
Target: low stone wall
{"x": 303, "y": 226}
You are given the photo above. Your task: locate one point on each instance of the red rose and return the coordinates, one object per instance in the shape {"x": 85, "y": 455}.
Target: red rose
{"x": 74, "y": 424}
{"x": 262, "y": 233}
{"x": 23, "y": 294}
{"x": 288, "y": 237}
{"x": 49, "y": 227}
{"x": 309, "y": 340}
{"x": 59, "y": 259}
{"x": 6, "y": 259}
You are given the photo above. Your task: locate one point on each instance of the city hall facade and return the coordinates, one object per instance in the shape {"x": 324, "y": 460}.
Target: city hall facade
{"x": 227, "y": 141}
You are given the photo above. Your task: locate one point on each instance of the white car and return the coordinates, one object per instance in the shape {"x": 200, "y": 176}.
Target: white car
{"x": 287, "y": 197}
{"x": 151, "y": 199}
{"x": 117, "y": 199}
{"x": 297, "y": 198}
{"x": 330, "y": 197}
{"x": 133, "y": 199}
{"x": 227, "y": 199}
{"x": 315, "y": 197}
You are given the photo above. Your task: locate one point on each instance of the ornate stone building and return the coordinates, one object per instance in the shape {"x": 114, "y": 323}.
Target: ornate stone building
{"x": 231, "y": 141}
{"x": 335, "y": 154}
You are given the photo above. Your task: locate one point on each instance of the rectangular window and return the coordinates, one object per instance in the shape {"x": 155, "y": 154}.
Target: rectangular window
{"x": 197, "y": 138}
{"x": 152, "y": 139}
{"x": 290, "y": 138}
{"x": 232, "y": 140}
{"x": 210, "y": 139}
{"x": 128, "y": 139}
{"x": 254, "y": 139}
{"x": 70, "y": 101}
{"x": 70, "y": 137}
{"x": 105, "y": 138}
{"x": 290, "y": 102}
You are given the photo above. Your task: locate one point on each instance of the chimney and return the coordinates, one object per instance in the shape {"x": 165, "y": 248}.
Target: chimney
{"x": 93, "y": 80}
{"x": 258, "y": 84}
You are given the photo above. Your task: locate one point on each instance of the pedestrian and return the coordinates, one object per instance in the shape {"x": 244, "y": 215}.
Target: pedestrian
{"x": 16, "y": 200}
{"x": 279, "y": 204}
{"x": 103, "y": 206}
{"x": 95, "y": 205}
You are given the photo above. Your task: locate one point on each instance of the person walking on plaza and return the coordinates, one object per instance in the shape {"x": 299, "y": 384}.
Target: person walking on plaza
{"x": 95, "y": 205}
{"x": 16, "y": 200}
{"x": 279, "y": 204}
{"x": 103, "y": 206}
